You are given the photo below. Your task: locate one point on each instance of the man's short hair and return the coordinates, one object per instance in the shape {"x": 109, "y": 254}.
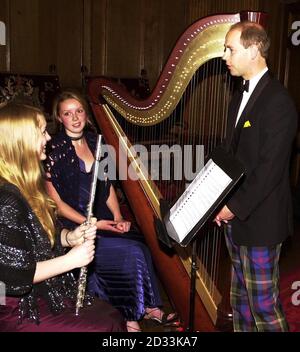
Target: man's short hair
{"x": 253, "y": 33}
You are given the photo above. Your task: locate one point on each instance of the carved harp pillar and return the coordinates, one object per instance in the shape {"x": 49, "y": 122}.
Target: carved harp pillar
{"x": 187, "y": 109}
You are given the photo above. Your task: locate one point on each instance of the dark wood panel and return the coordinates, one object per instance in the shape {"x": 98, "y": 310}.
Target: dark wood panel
{"x": 112, "y": 37}
{"x": 69, "y": 42}
{"x": 292, "y": 53}
{"x": 153, "y": 59}
{"x": 98, "y": 37}
{"x": 123, "y": 38}
{"x": 164, "y": 22}
{"x": 48, "y": 35}
{"x": 24, "y": 36}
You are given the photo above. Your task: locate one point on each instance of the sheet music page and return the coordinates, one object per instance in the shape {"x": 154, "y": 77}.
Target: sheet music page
{"x": 200, "y": 195}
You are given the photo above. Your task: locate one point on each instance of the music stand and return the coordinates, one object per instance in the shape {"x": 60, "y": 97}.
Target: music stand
{"x": 170, "y": 232}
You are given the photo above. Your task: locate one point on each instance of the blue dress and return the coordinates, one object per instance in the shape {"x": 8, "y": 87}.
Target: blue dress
{"x": 122, "y": 272}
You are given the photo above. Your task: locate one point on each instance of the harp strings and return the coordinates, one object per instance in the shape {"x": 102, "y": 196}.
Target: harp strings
{"x": 198, "y": 119}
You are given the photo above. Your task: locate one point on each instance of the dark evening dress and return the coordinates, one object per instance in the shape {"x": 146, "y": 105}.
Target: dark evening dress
{"x": 122, "y": 272}
{"x": 50, "y": 304}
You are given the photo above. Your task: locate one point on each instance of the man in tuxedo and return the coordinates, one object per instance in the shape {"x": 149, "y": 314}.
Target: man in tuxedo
{"x": 262, "y": 123}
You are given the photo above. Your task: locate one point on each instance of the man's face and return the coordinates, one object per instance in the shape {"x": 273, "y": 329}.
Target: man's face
{"x": 238, "y": 58}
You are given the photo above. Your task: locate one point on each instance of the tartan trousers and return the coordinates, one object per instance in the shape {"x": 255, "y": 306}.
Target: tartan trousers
{"x": 254, "y": 293}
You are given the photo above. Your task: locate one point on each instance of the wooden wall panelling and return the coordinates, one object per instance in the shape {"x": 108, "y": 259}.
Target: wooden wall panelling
{"x": 48, "y": 36}
{"x": 288, "y": 54}
{"x": 289, "y": 74}
{"x": 69, "y": 42}
{"x": 60, "y": 42}
{"x": 98, "y": 37}
{"x": 110, "y": 37}
{"x": 202, "y": 8}
{"x": 292, "y": 51}
{"x": 87, "y": 36}
{"x": 153, "y": 57}
{"x": 163, "y": 22}
{"x": 291, "y": 79}
{"x": 129, "y": 36}
{"x": 123, "y": 38}
{"x": 274, "y": 9}
{"x": 24, "y": 35}
{"x": 174, "y": 24}
{"x": 197, "y": 9}
{"x": 44, "y": 33}
{"x": 48, "y": 28}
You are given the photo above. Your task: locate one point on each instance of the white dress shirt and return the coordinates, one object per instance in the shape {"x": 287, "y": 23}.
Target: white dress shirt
{"x": 246, "y": 95}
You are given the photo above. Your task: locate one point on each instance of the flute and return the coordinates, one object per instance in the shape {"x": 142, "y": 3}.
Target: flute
{"x": 83, "y": 270}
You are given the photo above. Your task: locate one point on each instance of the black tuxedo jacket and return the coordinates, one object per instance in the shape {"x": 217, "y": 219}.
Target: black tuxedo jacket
{"x": 262, "y": 141}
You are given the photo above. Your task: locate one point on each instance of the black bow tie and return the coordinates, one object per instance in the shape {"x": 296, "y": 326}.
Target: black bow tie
{"x": 244, "y": 86}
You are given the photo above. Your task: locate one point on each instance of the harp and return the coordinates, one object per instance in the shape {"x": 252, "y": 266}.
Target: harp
{"x": 187, "y": 108}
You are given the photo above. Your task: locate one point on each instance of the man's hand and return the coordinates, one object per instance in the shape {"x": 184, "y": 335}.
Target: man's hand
{"x": 224, "y": 215}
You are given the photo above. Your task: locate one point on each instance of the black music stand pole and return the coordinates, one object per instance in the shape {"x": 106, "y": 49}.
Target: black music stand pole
{"x": 194, "y": 268}
{"x": 163, "y": 236}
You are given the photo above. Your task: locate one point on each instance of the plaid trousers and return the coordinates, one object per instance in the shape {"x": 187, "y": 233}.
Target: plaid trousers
{"x": 254, "y": 293}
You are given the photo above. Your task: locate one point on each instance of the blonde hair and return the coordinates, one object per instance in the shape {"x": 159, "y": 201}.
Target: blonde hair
{"x": 20, "y": 162}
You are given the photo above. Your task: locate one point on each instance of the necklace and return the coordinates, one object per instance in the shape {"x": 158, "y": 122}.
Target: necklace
{"x": 76, "y": 138}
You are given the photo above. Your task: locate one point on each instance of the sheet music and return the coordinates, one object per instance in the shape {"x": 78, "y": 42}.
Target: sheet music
{"x": 197, "y": 199}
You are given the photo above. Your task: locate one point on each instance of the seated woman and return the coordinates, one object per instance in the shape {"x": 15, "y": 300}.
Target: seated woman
{"x": 122, "y": 272}
{"x": 40, "y": 291}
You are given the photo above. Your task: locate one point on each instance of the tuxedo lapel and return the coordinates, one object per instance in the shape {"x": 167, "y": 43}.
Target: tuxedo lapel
{"x": 232, "y": 114}
{"x": 236, "y": 130}
{"x": 254, "y": 96}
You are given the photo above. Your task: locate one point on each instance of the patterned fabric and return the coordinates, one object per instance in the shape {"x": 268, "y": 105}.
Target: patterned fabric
{"x": 254, "y": 291}
{"x": 63, "y": 164}
{"x": 23, "y": 243}
{"x": 122, "y": 272}
{"x": 37, "y": 90}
